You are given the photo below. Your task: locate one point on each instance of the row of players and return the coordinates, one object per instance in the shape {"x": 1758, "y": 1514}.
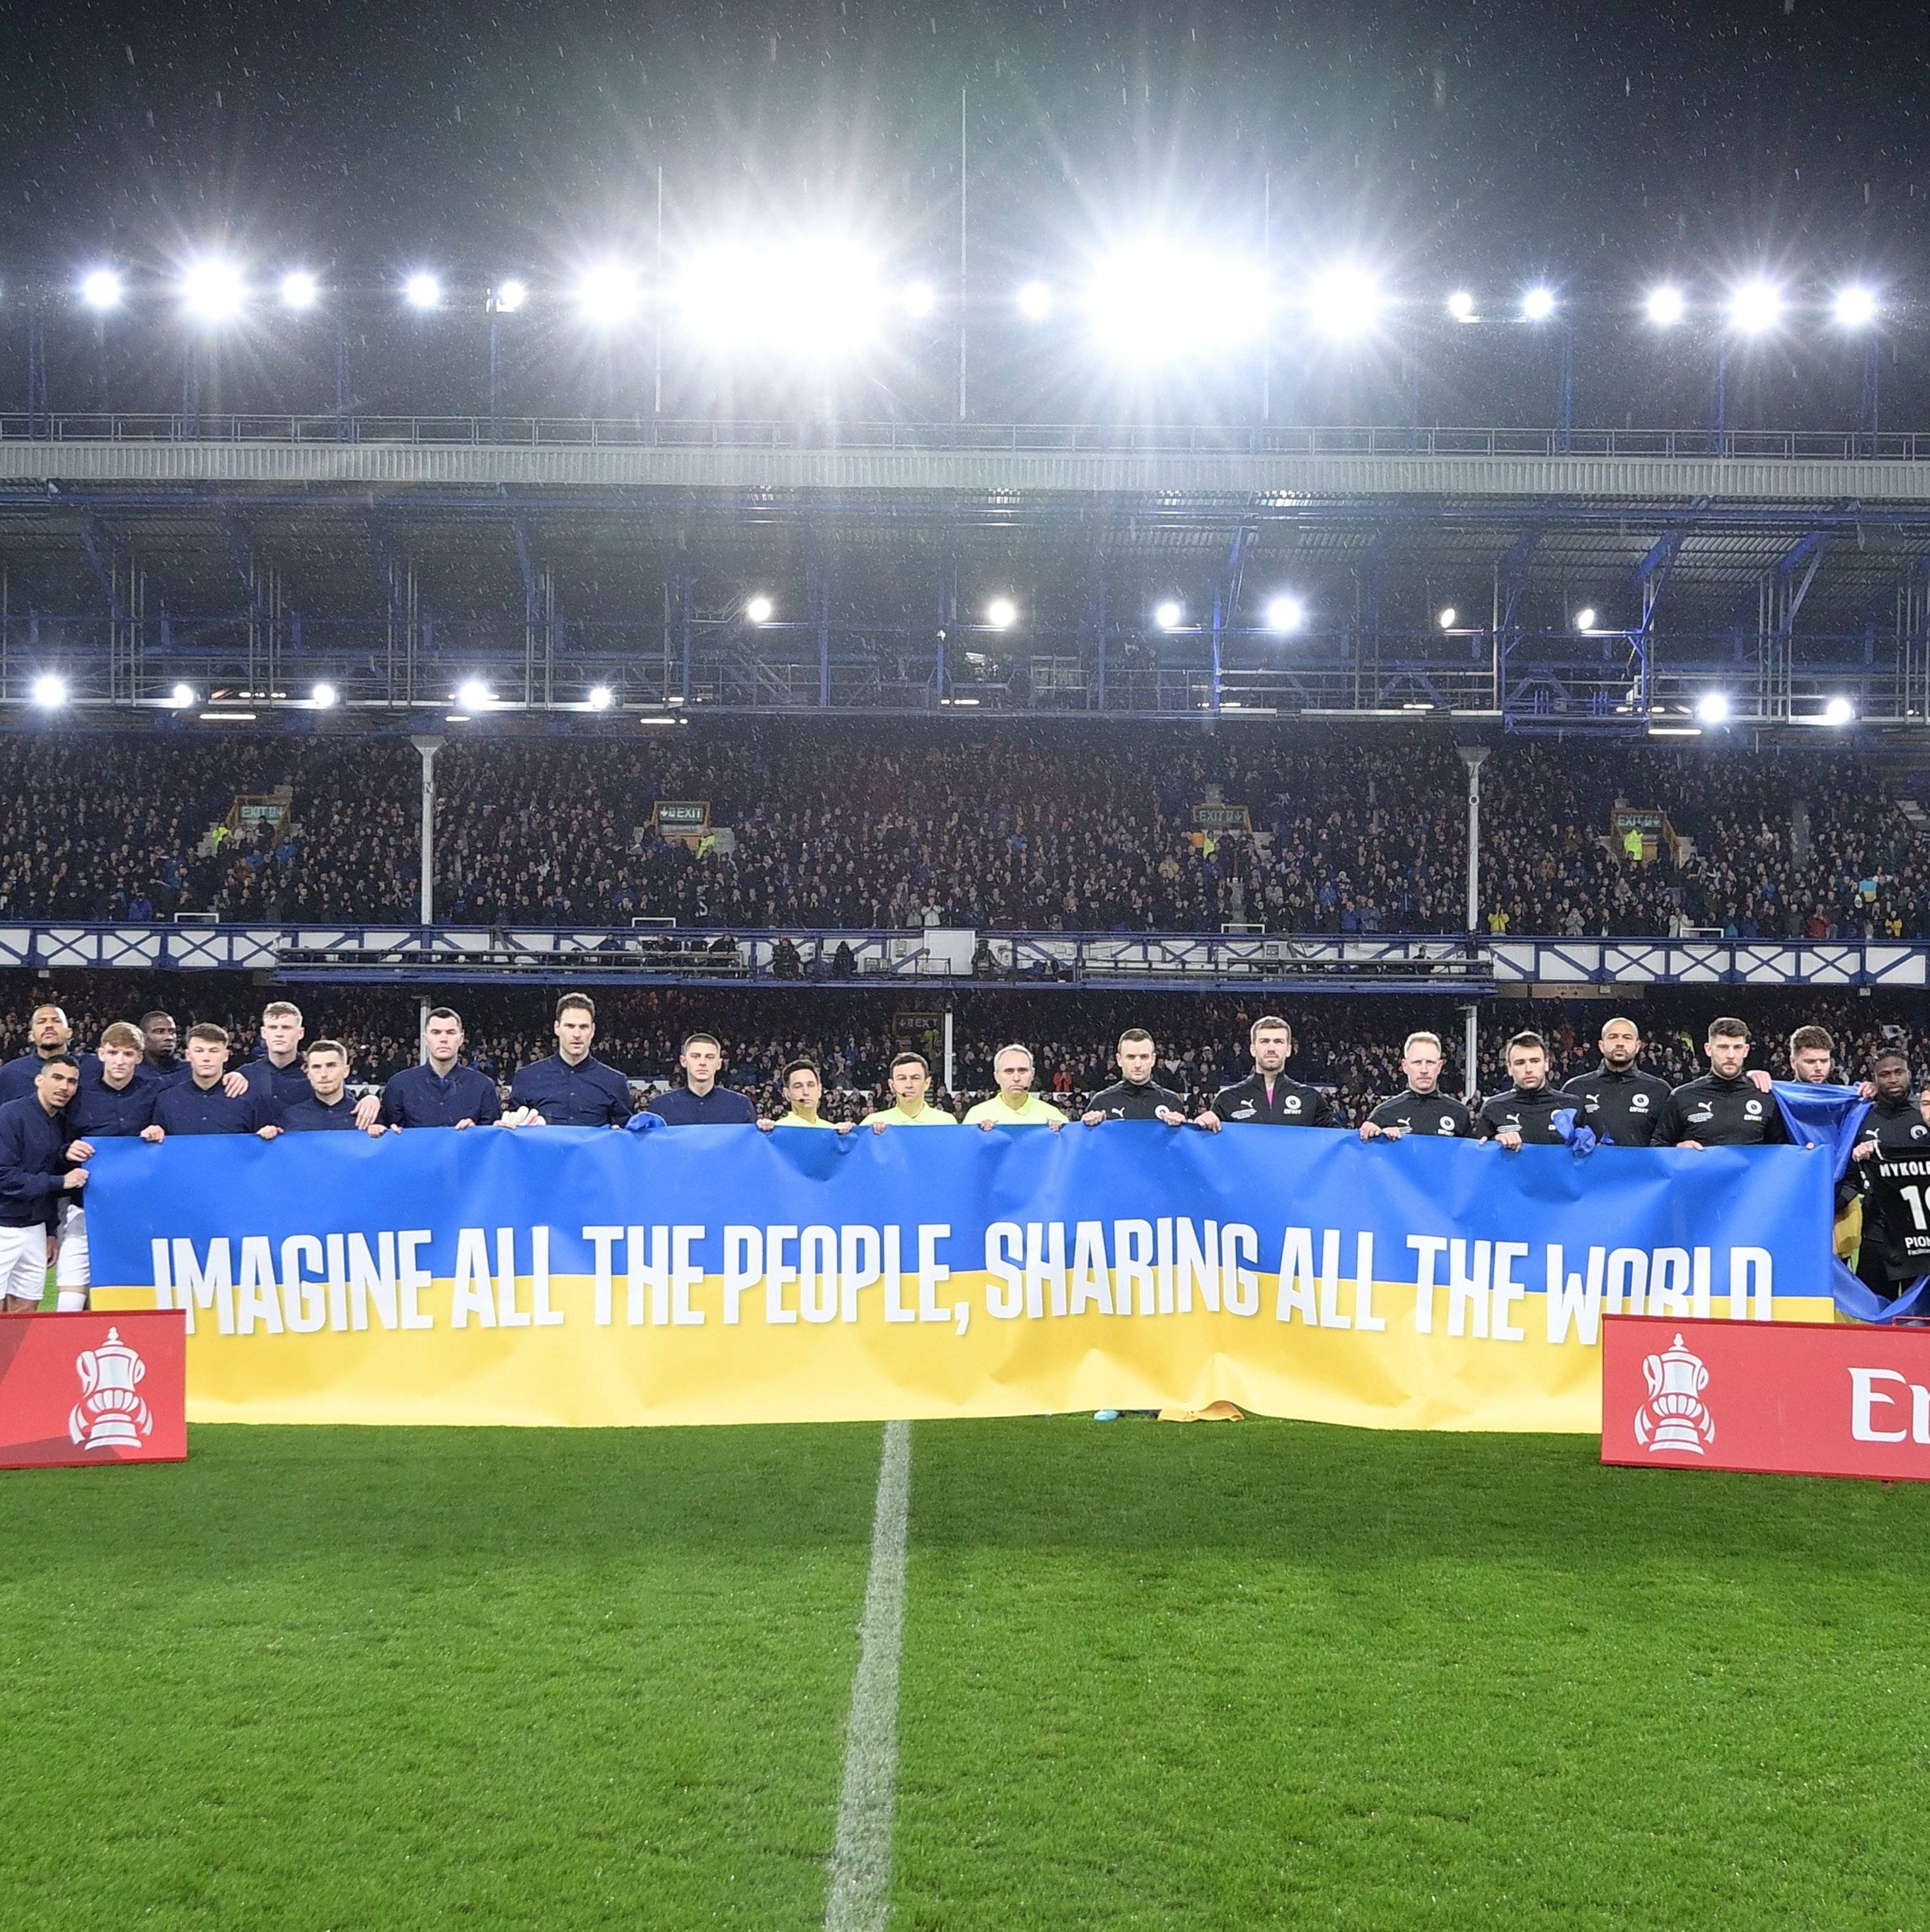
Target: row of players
{"x": 54, "y": 1106}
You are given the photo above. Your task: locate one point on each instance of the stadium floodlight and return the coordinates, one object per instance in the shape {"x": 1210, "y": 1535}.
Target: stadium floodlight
{"x": 918, "y": 299}
{"x": 1448, "y": 616}
{"x": 1154, "y": 300}
{"x": 1344, "y": 303}
{"x": 1854, "y": 307}
{"x": 182, "y": 696}
{"x": 1035, "y": 301}
{"x": 607, "y": 293}
{"x": 509, "y": 296}
{"x": 1839, "y": 711}
{"x": 49, "y": 690}
{"x": 1584, "y": 618}
{"x": 102, "y": 289}
{"x": 602, "y": 698}
{"x": 473, "y": 695}
{"x": 1538, "y": 304}
{"x": 1170, "y": 614}
{"x": 211, "y": 290}
{"x": 300, "y": 289}
{"x": 1664, "y": 306}
{"x": 1755, "y": 307}
{"x": 1285, "y": 613}
{"x": 815, "y": 299}
{"x": 1001, "y": 614}
{"x": 423, "y": 290}
{"x": 1713, "y": 708}
{"x": 1460, "y": 305}
{"x": 323, "y": 696}
{"x": 757, "y": 609}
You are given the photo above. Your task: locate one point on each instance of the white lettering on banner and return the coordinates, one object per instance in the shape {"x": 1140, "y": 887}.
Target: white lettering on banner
{"x": 1170, "y": 1265}
{"x": 1864, "y": 1396}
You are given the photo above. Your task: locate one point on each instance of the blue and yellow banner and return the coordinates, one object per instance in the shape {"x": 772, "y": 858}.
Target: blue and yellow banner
{"x": 560, "y": 1276}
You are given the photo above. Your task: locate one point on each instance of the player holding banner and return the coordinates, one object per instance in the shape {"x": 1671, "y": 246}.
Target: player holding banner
{"x": 114, "y": 1102}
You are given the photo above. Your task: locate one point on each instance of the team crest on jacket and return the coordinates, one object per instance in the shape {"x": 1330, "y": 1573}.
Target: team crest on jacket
{"x": 111, "y": 1413}
{"x": 1675, "y": 1417}
{"x": 1638, "y": 1103}
{"x": 1753, "y": 1108}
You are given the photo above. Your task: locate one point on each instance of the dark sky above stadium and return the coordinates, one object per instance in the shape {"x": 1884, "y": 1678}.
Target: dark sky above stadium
{"x": 1592, "y": 142}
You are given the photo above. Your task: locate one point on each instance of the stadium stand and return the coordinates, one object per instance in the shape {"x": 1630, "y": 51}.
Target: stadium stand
{"x": 844, "y": 827}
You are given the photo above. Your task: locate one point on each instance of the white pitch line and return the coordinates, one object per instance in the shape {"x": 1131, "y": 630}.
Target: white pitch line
{"x": 861, "y": 1898}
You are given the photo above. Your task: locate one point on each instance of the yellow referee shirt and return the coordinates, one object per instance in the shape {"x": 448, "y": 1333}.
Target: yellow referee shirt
{"x": 896, "y": 1117}
{"x": 1035, "y": 1113}
{"x": 795, "y": 1119}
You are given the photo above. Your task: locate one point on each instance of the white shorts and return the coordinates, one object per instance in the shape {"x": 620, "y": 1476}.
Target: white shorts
{"x": 70, "y": 1270}
{"x": 23, "y": 1263}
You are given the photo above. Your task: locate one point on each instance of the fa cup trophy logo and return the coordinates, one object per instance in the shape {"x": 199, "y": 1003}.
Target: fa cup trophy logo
{"x": 110, "y": 1414}
{"x": 1675, "y": 1417}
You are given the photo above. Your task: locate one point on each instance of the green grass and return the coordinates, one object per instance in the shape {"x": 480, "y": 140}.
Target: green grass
{"x": 1223, "y": 1675}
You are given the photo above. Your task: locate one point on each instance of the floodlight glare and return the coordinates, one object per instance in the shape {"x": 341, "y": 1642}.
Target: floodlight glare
{"x": 1158, "y": 301}
{"x": 510, "y": 296}
{"x": 1855, "y": 307}
{"x": 1584, "y": 618}
{"x": 602, "y": 698}
{"x": 1664, "y": 307}
{"x": 323, "y": 696}
{"x": 1285, "y": 613}
{"x": 608, "y": 294}
{"x": 1839, "y": 711}
{"x": 1538, "y": 304}
{"x": 299, "y": 290}
{"x": 1170, "y": 615}
{"x": 48, "y": 691}
{"x": 1448, "y": 614}
{"x": 423, "y": 291}
{"x": 101, "y": 288}
{"x": 1344, "y": 303}
{"x": 211, "y": 290}
{"x": 183, "y": 696}
{"x": 818, "y": 299}
{"x": 1001, "y": 614}
{"x": 1754, "y": 307}
{"x": 1035, "y": 301}
{"x": 919, "y": 299}
{"x": 472, "y": 694}
{"x": 1713, "y": 708}
{"x": 1460, "y": 305}
{"x": 758, "y": 609}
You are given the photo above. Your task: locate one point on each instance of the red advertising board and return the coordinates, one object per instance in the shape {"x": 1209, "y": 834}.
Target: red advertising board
{"x": 76, "y": 1389}
{"x": 1787, "y": 1398}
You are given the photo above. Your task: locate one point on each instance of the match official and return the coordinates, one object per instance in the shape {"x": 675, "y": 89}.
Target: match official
{"x": 700, "y": 1101}
{"x": 571, "y": 1088}
{"x": 1015, "y": 1104}
{"x": 804, "y": 1088}
{"x": 1136, "y": 1095}
{"x": 111, "y": 1103}
{"x": 202, "y": 1104}
{"x": 911, "y": 1082}
{"x": 1423, "y": 1109}
{"x": 440, "y": 1092}
{"x": 1723, "y": 1109}
{"x": 1266, "y": 1097}
{"x": 1619, "y": 1101}
{"x": 1524, "y": 1116}
{"x": 35, "y": 1176}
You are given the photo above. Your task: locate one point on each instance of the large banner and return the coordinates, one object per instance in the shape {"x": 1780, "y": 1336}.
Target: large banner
{"x": 717, "y": 1274}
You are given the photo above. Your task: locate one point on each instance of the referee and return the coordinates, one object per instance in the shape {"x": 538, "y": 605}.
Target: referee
{"x": 804, "y": 1089}
{"x": 1619, "y": 1101}
{"x": 1015, "y": 1104}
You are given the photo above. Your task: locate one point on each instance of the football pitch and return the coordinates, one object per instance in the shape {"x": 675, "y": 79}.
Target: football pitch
{"x": 1242, "y": 1674}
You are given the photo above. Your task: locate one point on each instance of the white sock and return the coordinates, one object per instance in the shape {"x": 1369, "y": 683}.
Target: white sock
{"x": 72, "y": 1301}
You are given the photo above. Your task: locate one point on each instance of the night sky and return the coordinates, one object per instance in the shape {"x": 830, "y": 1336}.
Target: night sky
{"x": 1600, "y": 146}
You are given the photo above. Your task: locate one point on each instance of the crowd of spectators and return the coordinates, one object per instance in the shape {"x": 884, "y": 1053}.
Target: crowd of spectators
{"x": 837, "y": 825}
{"x": 1350, "y": 1044}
